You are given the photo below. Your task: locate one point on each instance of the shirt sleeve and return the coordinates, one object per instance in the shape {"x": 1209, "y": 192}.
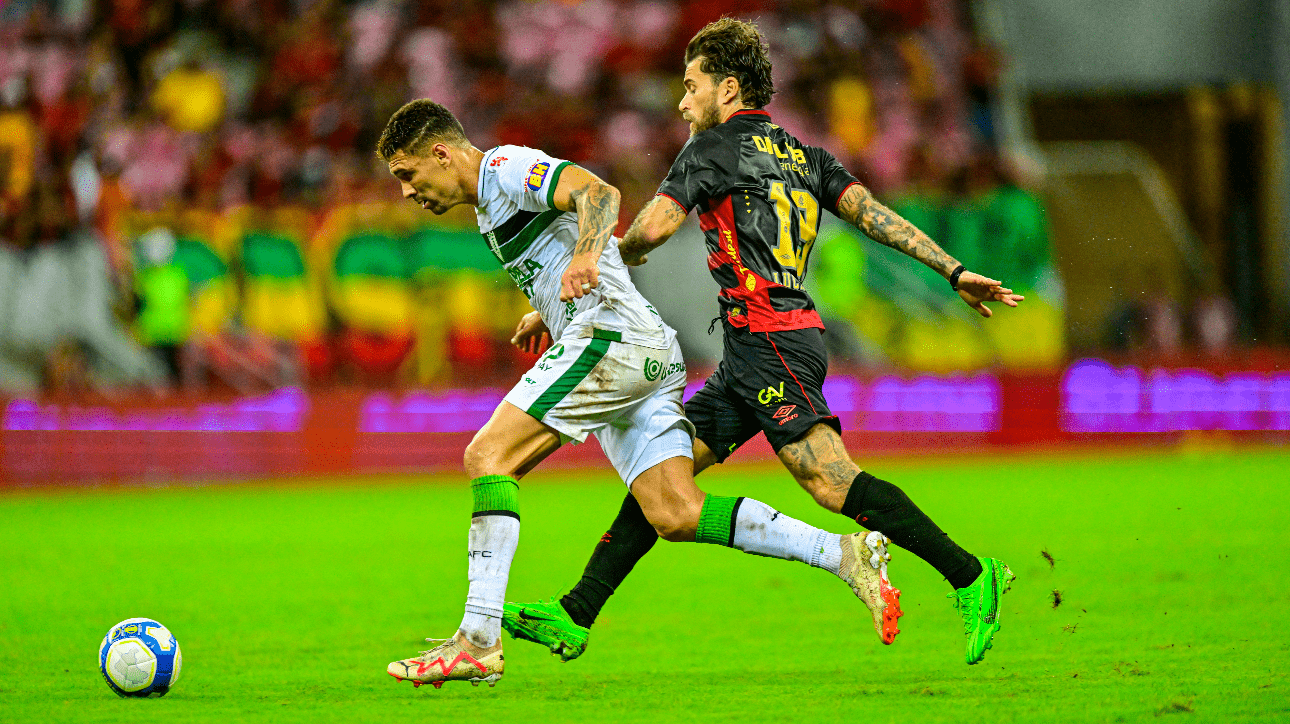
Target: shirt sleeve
{"x": 834, "y": 179}
{"x": 529, "y": 177}
{"x": 700, "y": 172}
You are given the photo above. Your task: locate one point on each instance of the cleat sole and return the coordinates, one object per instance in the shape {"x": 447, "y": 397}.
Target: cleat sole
{"x": 891, "y": 613}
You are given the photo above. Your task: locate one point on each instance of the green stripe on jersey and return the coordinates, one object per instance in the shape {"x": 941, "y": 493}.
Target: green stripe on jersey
{"x": 555, "y": 179}
{"x": 561, "y": 388}
{"x": 511, "y": 239}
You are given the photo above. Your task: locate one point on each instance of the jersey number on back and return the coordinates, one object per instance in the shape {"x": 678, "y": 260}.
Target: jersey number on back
{"x": 808, "y": 223}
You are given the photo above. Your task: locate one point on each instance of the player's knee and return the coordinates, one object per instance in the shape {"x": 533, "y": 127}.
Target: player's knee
{"x": 676, "y": 530}
{"x": 480, "y": 459}
{"x": 677, "y": 525}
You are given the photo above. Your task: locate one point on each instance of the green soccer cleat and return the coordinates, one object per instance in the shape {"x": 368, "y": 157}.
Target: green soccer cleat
{"x": 978, "y": 604}
{"x": 548, "y": 624}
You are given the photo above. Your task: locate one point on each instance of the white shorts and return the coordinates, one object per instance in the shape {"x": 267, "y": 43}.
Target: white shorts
{"x": 627, "y": 395}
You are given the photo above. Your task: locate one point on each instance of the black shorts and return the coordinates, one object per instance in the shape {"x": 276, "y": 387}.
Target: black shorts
{"x": 767, "y": 382}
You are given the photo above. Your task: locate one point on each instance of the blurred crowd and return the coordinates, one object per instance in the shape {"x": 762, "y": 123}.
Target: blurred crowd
{"x": 189, "y": 194}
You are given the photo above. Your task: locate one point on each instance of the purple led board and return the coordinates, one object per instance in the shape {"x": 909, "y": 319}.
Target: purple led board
{"x": 928, "y": 403}
{"x": 1099, "y": 397}
{"x": 282, "y": 410}
{"x": 450, "y": 411}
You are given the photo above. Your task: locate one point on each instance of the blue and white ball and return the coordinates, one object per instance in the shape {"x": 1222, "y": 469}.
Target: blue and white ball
{"x": 140, "y": 657}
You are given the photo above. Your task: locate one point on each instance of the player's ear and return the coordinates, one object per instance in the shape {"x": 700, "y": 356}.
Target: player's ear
{"x": 728, "y": 90}
{"x": 441, "y": 154}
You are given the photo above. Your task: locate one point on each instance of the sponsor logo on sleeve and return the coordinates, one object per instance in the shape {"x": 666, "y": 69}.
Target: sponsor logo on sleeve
{"x": 537, "y": 174}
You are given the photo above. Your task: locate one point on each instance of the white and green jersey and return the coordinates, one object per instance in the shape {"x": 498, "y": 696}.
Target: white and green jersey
{"x": 534, "y": 241}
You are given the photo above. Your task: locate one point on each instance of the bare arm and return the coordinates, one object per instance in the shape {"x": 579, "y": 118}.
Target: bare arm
{"x": 597, "y": 205}
{"x": 655, "y": 224}
{"x": 857, "y": 206}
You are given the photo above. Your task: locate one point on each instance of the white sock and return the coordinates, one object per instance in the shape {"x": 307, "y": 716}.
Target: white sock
{"x": 492, "y": 548}
{"x": 764, "y": 531}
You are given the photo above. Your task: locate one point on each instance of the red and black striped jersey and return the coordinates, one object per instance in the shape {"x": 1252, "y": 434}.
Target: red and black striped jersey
{"x": 759, "y": 192}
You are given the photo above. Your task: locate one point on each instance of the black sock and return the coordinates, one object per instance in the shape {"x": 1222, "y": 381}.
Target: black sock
{"x": 879, "y": 505}
{"x": 627, "y": 541}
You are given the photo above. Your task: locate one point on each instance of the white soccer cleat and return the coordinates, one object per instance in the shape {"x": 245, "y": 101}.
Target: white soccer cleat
{"x": 449, "y": 661}
{"x": 864, "y": 568}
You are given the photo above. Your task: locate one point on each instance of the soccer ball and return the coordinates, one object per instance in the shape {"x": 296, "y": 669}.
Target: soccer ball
{"x": 140, "y": 657}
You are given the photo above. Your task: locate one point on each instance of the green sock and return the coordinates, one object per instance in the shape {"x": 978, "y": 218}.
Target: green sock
{"x": 717, "y": 520}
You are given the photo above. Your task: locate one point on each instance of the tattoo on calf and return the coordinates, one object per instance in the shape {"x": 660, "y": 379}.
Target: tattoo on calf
{"x": 840, "y": 474}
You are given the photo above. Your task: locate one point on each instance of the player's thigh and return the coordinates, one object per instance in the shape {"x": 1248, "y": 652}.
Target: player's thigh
{"x": 704, "y": 458}
{"x": 583, "y": 384}
{"x": 652, "y": 431}
{"x": 669, "y": 498}
{"x": 654, "y": 428}
{"x": 511, "y": 443}
{"x": 721, "y": 422}
{"x": 780, "y": 379}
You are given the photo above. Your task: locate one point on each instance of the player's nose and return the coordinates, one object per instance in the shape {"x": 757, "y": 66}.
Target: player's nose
{"x": 408, "y": 191}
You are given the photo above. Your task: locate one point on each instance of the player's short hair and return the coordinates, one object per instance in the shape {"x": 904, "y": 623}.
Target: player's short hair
{"x": 731, "y": 47}
{"x": 418, "y": 125}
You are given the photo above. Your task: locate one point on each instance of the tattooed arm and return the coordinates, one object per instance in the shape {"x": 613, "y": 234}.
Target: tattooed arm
{"x": 655, "y": 224}
{"x": 597, "y": 205}
{"x": 857, "y": 206}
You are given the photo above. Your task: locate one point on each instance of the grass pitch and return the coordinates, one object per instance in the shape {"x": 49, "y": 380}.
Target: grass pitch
{"x": 289, "y": 601}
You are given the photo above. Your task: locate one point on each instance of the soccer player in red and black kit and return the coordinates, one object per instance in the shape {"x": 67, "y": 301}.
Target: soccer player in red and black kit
{"x": 759, "y": 193}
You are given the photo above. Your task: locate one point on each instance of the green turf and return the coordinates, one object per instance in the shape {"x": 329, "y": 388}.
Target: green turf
{"x": 289, "y": 601}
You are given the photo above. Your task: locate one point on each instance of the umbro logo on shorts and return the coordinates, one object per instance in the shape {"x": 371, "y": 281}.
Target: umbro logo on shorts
{"x": 784, "y": 411}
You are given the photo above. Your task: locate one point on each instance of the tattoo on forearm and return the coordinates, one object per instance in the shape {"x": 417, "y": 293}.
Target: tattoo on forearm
{"x": 859, "y": 207}
{"x": 597, "y": 206}
{"x": 636, "y": 242}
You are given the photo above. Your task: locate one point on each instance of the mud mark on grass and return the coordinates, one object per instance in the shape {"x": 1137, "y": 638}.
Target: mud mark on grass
{"x": 1176, "y": 707}
{"x": 1052, "y": 562}
{"x": 1125, "y": 668}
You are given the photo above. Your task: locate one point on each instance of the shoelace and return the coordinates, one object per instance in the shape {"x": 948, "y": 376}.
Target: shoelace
{"x": 437, "y": 643}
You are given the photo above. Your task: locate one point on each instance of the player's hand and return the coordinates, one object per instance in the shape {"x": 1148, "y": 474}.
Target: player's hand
{"x": 532, "y": 335}
{"x": 580, "y": 278}
{"x": 976, "y": 290}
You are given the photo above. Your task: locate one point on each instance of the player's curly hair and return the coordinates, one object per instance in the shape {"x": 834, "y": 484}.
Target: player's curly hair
{"x": 416, "y": 126}
{"x": 731, "y": 47}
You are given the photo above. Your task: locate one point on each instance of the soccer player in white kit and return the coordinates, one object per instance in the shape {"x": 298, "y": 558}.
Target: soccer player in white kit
{"x": 614, "y": 370}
